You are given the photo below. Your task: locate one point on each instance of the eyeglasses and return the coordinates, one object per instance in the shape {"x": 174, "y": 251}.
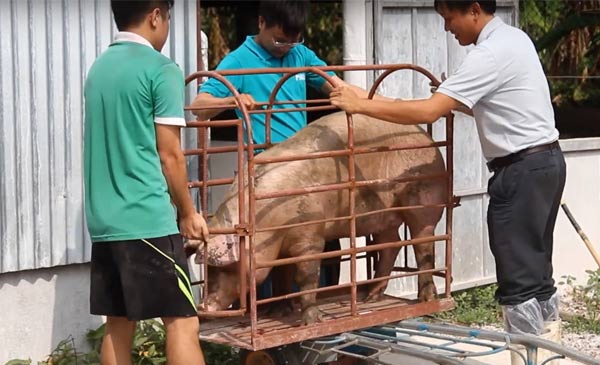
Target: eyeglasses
{"x": 287, "y": 44}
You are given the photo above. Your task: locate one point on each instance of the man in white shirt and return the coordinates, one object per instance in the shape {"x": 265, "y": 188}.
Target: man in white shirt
{"x": 502, "y": 84}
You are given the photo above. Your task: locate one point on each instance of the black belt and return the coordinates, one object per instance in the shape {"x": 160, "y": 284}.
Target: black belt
{"x": 504, "y": 161}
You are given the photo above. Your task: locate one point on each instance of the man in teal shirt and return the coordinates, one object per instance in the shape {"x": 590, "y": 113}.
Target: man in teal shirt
{"x": 134, "y": 168}
{"x": 279, "y": 43}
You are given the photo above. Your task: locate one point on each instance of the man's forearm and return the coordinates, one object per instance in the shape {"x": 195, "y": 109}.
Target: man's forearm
{"x": 206, "y": 100}
{"x": 362, "y": 93}
{"x": 175, "y": 172}
{"x": 397, "y": 111}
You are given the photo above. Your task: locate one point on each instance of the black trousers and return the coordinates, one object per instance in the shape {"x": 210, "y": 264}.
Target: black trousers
{"x": 524, "y": 201}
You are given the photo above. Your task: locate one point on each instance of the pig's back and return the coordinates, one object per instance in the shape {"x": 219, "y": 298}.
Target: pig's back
{"x": 330, "y": 133}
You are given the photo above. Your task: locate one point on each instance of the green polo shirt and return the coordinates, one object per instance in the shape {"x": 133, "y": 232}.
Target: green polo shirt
{"x": 251, "y": 55}
{"x": 129, "y": 88}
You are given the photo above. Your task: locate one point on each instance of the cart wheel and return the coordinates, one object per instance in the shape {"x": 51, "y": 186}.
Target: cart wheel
{"x": 256, "y": 358}
{"x": 285, "y": 355}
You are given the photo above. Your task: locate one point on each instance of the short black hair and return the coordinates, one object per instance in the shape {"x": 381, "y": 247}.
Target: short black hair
{"x": 489, "y": 6}
{"x": 291, "y": 16}
{"x": 131, "y": 12}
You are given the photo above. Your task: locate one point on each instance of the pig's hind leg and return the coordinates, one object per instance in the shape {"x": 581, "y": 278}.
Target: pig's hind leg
{"x": 385, "y": 262}
{"x": 422, "y": 224}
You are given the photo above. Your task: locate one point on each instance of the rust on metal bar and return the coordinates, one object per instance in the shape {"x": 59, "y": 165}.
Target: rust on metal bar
{"x": 296, "y": 70}
{"x": 212, "y": 107}
{"x": 278, "y": 331}
{"x": 216, "y": 123}
{"x": 222, "y": 149}
{"x": 349, "y": 251}
{"x": 293, "y": 102}
{"x": 347, "y": 285}
{"x": 289, "y": 110}
{"x": 358, "y": 215}
{"x": 219, "y": 314}
{"x": 215, "y": 182}
{"x": 350, "y": 184}
{"x": 346, "y": 152}
{"x": 450, "y": 189}
{"x": 406, "y": 268}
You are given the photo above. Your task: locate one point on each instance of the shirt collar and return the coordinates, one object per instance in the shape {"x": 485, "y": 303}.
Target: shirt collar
{"x": 489, "y": 28}
{"x": 256, "y": 48}
{"x": 132, "y": 37}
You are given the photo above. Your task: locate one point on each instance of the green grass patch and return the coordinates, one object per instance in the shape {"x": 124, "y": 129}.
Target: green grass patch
{"x": 588, "y": 296}
{"x": 475, "y": 306}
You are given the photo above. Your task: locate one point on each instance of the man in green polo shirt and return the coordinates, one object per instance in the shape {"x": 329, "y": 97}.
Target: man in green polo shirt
{"x": 134, "y": 169}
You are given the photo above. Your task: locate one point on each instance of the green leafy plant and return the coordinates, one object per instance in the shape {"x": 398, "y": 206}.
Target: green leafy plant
{"x": 567, "y": 37}
{"x": 475, "y": 306}
{"x": 588, "y": 295}
{"x": 220, "y": 354}
{"x": 148, "y": 349}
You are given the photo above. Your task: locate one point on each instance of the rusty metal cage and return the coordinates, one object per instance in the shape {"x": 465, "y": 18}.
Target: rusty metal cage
{"x": 249, "y": 326}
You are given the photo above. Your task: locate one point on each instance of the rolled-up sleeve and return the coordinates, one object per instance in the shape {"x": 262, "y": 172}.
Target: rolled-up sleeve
{"x": 474, "y": 79}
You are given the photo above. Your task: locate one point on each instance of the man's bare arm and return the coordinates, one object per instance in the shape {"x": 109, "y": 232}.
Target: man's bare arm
{"x": 173, "y": 164}
{"x": 207, "y": 100}
{"x": 402, "y": 112}
{"x": 327, "y": 88}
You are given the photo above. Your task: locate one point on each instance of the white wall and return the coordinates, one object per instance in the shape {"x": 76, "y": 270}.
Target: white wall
{"x": 39, "y": 308}
{"x": 46, "y": 48}
{"x": 582, "y": 196}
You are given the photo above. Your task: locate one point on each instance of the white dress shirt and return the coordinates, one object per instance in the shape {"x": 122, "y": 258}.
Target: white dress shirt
{"x": 502, "y": 80}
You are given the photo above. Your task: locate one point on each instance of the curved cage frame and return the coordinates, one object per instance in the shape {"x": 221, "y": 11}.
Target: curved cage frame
{"x": 240, "y": 327}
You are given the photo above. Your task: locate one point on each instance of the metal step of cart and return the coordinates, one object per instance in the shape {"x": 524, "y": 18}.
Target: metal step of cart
{"x": 422, "y": 343}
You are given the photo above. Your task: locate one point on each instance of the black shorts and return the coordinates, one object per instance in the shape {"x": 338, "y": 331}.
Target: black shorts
{"x": 141, "y": 279}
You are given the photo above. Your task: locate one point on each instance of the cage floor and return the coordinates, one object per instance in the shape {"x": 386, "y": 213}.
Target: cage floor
{"x": 275, "y": 329}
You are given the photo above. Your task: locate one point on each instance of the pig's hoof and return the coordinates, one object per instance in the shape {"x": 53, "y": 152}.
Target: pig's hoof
{"x": 427, "y": 293}
{"x": 374, "y": 296}
{"x": 376, "y": 292}
{"x": 311, "y": 315}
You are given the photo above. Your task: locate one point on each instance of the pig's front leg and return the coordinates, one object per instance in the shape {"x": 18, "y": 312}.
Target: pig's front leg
{"x": 307, "y": 277}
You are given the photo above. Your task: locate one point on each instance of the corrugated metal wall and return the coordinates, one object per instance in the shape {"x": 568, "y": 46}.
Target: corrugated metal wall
{"x": 410, "y": 31}
{"x": 46, "y": 48}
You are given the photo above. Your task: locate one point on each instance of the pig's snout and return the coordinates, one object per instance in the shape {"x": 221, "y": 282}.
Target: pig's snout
{"x": 222, "y": 250}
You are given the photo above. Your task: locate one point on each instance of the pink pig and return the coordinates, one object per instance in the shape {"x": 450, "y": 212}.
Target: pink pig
{"x": 326, "y": 134}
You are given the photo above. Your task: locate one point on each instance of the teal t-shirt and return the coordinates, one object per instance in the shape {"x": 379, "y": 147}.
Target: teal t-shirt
{"x": 129, "y": 88}
{"x": 251, "y": 55}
